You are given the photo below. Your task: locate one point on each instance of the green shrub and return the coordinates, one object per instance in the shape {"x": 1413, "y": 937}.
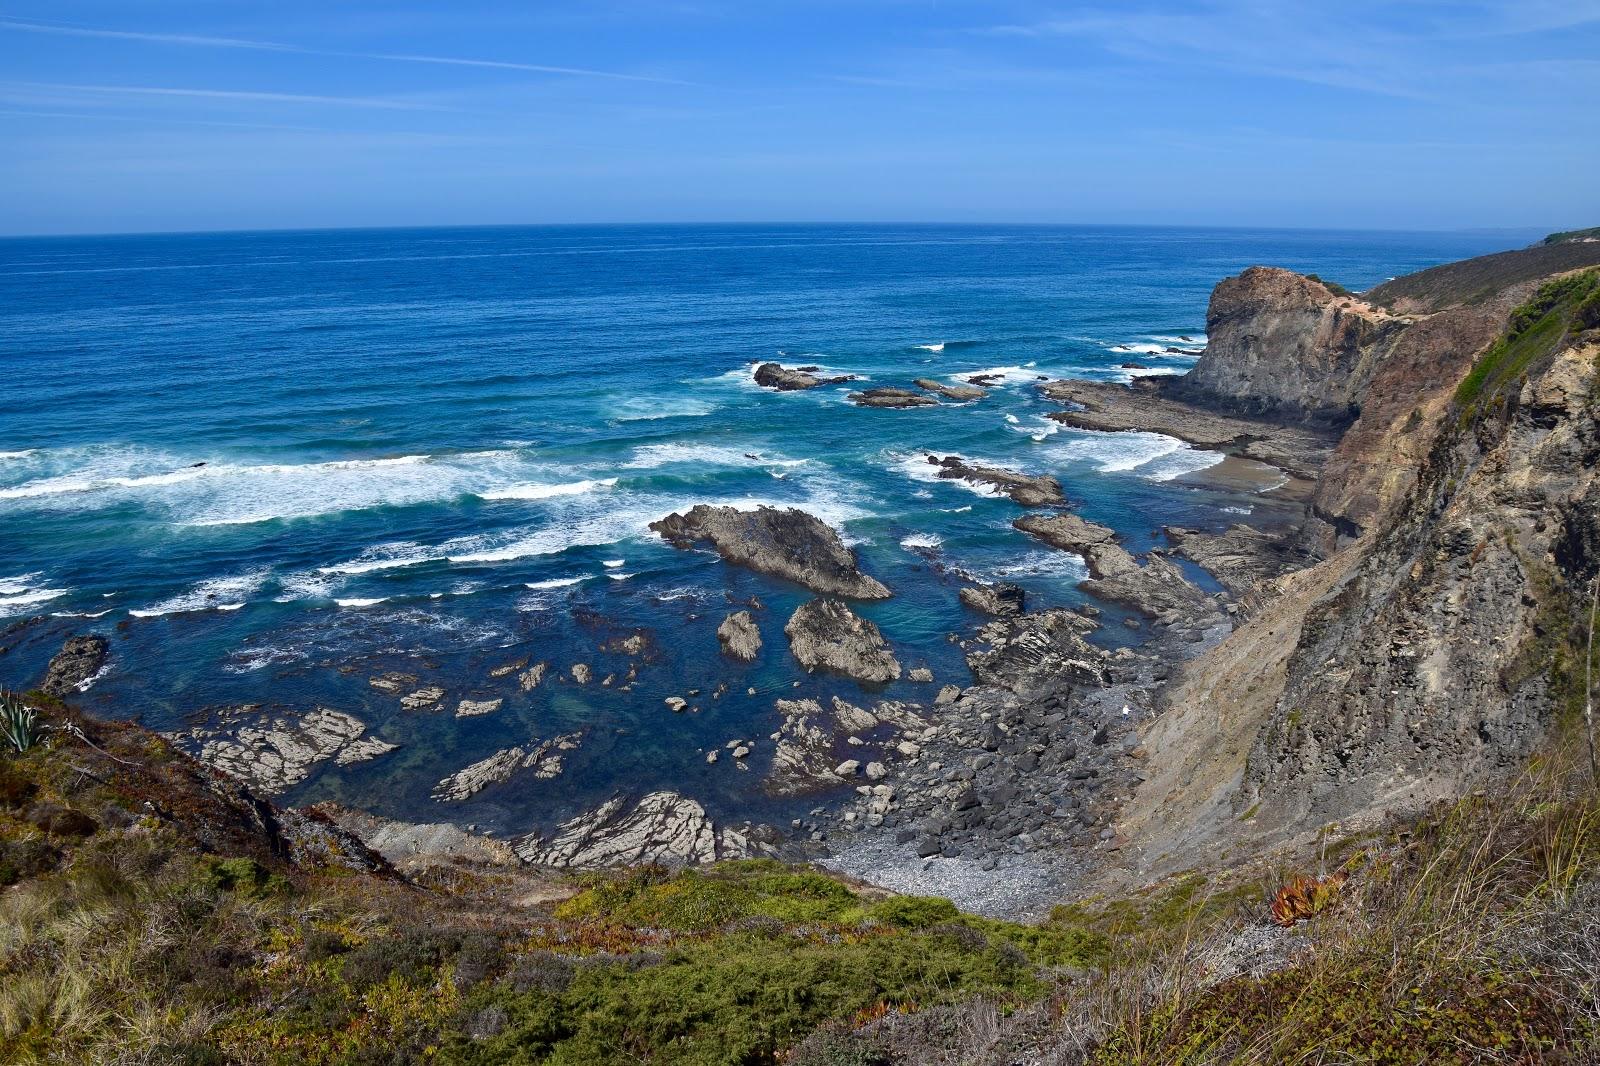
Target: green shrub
{"x": 1535, "y": 331}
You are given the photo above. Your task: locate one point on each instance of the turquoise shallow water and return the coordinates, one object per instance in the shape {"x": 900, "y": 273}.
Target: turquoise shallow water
{"x": 437, "y": 450}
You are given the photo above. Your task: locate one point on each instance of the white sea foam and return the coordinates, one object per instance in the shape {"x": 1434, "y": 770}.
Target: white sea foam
{"x": 619, "y": 576}
{"x": 921, "y": 540}
{"x": 1179, "y": 463}
{"x": 557, "y": 582}
{"x": 1154, "y": 456}
{"x": 612, "y": 564}
{"x": 1064, "y": 566}
{"x": 1007, "y": 375}
{"x": 7, "y": 456}
{"x": 217, "y": 594}
{"x": 648, "y": 409}
{"x": 19, "y": 602}
{"x": 917, "y": 468}
{"x": 959, "y": 510}
{"x": 932, "y": 347}
{"x": 357, "y": 602}
{"x": 544, "y": 492}
{"x": 653, "y": 456}
{"x": 1238, "y": 510}
{"x": 10, "y": 586}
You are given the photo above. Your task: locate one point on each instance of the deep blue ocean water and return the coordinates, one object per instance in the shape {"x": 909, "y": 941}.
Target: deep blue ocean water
{"x": 437, "y": 450}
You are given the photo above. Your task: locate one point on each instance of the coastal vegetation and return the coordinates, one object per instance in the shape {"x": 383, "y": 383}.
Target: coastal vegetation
{"x": 1558, "y": 311}
{"x": 150, "y": 920}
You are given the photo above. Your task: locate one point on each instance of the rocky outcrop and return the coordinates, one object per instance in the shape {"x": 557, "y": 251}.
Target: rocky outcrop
{"x": 1245, "y": 560}
{"x": 1033, "y": 651}
{"x": 892, "y": 396}
{"x": 827, "y": 635}
{"x": 78, "y": 661}
{"x": 1284, "y": 344}
{"x": 803, "y": 760}
{"x": 1109, "y": 408}
{"x": 997, "y": 600}
{"x": 959, "y": 393}
{"x": 783, "y": 543}
{"x": 1028, "y": 490}
{"x": 476, "y": 708}
{"x": 273, "y": 753}
{"x": 543, "y": 759}
{"x": 739, "y": 637}
{"x": 662, "y": 827}
{"x": 784, "y": 379}
{"x": 1157, "y": 588}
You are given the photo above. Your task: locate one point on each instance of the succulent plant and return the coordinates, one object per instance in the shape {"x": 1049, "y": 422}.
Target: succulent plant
{"x": 19, "y": 723}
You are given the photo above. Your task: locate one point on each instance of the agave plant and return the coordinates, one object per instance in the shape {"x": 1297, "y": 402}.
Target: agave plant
{"x": 19, "y": 723}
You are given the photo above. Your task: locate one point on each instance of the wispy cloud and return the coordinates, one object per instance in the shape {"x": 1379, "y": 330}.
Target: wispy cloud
{"x": 230, "y": 94}
{"x": 203, "y": 41}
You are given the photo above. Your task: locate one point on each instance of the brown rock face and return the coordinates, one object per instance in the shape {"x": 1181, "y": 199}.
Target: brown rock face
{"x": 77, "y": 661}
{"x": 784, "y": 543}
{"x": 739, "y": 636}
{"x": 1284, "y": 344}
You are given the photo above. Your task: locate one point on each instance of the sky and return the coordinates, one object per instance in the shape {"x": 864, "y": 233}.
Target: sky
{"x": 164, "y": 115}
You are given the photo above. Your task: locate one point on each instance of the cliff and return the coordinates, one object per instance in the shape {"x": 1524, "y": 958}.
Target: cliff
{"x": 1435, "y": 646}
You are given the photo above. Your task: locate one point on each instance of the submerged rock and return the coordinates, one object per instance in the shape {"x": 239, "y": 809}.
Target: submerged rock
{"x": 739, "y": 636}
{"x": 79, "y": 659}
{"x": 828, "y": 635}
{"x": 273, "y": 754}
{"x": 423, "y": 698}
{"x": 1027, "y": 490}
{"x": 784, "y": 379}
{"x": 545, "y": 759}
{"x": 784, "y": 543}
{"x": 663, "y": 827}
{"x": 891, "y": 396}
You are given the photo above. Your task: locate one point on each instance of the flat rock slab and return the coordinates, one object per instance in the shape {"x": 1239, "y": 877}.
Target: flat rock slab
{"x": 662, "y": 827}
{"x": 890, "y": 396}
{"x": 1112, "y": 408}
{"x": 276, "y": 752}
{"x": 544, "y": 759}
{"x": 786, "y": 543}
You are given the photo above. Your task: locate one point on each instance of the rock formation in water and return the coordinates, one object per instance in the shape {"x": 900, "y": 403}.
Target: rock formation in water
{"x": 784, "y": 379}
{"x": 1156, "y": 587}
{"x": 892, "y": 396}
{"x": 827, "y": 635}
{"x": 275, "y": 752}
{"x": 1040, "y": 490}
{"x": 79, "y": 660}
{"x": 739, "y": 636}
{"x": 958, "y": 393}
{"x": 784, "y": 543}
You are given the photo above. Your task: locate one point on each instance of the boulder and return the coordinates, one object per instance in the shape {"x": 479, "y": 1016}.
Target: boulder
{"x": 826, "y": 634}
{"x": 1028, "y": 490}
{"x": 785, "y": 543}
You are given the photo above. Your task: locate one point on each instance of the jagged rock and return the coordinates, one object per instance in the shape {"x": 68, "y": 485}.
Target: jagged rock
{"x": 826, "y": 634}
{"x": 947, "y": 694}
{"x": 529, "y": 679}
{"x": 545, "y": 759}
{"x": 473, "y": 708}
{"x": 803, "y": 759}
{"x": 920, "y": 673}
{"x": 582, "y": 673}
{"x": 891, "y": 396}
{"x": 784, "y": 379}
{"x": 663, "y": 827}
{"x": 1002, "y": 601}
{"x": 79, "y": 659}
{"x": 1243, "y": 559}
{"x": 853, "y": 719}
{"x": 408, "y": 844}
{"x": 273, "y": 754}
{"x": 676, "y": 704}
{"x": 1031, "y": 650}
{"x": 507, "y": 669}
{"x": 784, "y": 543}
{"x": 959, "y": 393}
{"x": 847, "y": 768}
{"x": 876, "y": 771}
{"x": 1027, "y": 490}
{"x": 1158, "y": 588}
{"x": 739, "y": 636}
{"x": 422, "y": 698}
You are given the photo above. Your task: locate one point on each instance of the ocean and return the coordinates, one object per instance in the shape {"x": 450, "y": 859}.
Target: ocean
{"x": 270, "y": 466}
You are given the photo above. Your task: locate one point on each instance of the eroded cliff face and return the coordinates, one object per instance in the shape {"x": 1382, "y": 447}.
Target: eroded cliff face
{"x": 1280, "y": 343}
{"x": 1442, "y": 657}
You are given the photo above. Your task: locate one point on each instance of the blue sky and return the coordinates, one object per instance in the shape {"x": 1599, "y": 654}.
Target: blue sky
{"x": 138, "y": 115}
